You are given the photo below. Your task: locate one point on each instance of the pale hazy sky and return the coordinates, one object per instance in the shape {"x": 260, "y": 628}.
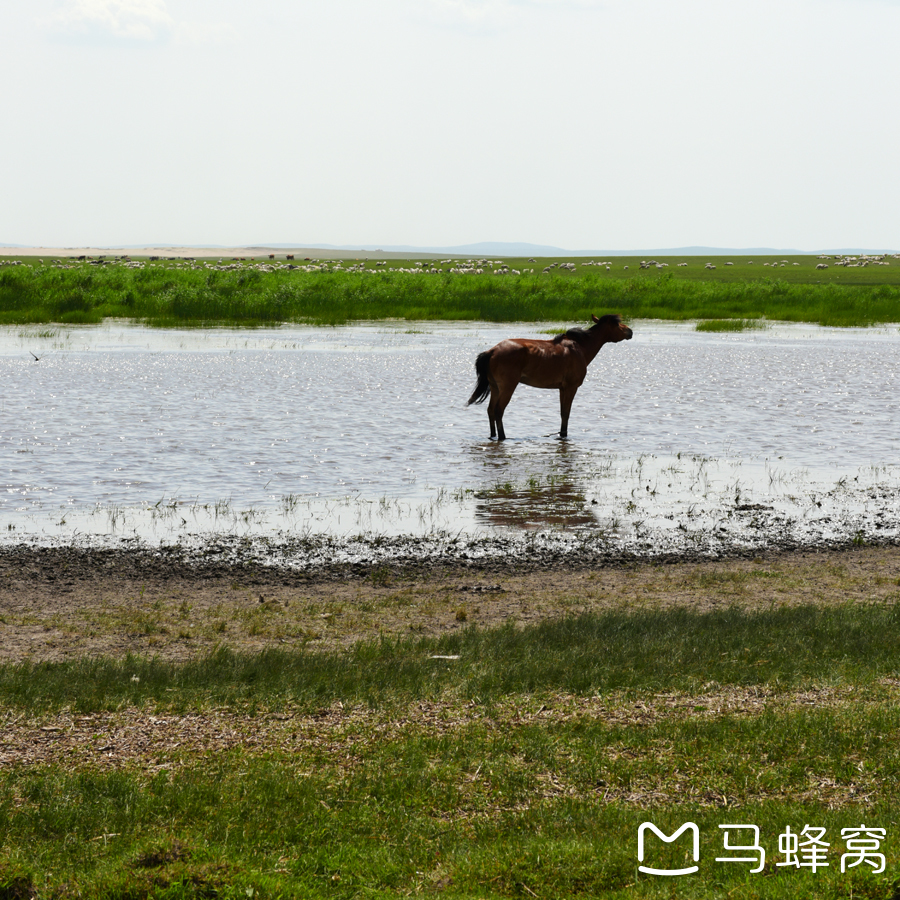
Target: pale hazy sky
{"x": 584, "y": 124}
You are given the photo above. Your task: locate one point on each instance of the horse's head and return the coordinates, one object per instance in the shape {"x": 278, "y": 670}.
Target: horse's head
{"x": 611, "y": 328}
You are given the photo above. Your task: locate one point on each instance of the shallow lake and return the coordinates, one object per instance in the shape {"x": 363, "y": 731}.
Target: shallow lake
{"x": 121, "y": 431}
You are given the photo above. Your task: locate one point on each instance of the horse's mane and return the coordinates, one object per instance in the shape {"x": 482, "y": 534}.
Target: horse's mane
{"x": 581, "y": 335}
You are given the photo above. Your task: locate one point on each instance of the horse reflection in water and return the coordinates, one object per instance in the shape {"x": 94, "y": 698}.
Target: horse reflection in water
{"x": 560, "y": 363}
{"x": 559, "y": 504}
{"x": 535, "y": 491}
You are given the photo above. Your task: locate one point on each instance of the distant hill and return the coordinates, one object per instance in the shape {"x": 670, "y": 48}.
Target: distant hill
{"x": 498, "y": 248}
{"x": 482, "y": 249}
{"x": 485, "y": 248}
{"x": 170, "y": 246}
{"x": 732, "y": 251}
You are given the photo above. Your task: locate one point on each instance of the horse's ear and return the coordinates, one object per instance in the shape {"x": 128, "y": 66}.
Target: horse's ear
{"x": 594, "y": 318}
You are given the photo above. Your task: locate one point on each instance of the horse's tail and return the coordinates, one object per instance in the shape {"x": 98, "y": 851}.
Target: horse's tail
{"x": 483, "y": 387}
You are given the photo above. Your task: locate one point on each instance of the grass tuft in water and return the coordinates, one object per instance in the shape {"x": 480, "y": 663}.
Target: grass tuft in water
{"x": 731, "y": 325}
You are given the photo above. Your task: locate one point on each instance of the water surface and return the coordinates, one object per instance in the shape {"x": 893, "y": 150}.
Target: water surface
{"x": 120, "y": 430}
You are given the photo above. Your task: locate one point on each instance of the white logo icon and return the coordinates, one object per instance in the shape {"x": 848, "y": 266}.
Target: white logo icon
{"x": 688, "y": 826}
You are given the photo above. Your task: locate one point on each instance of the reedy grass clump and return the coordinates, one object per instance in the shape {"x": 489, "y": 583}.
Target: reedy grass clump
{"x": 733, "y": 325}
{"x": 164, "y": 296}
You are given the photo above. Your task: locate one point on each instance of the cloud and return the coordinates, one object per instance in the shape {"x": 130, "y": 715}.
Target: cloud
{"x": 140, "y": 21}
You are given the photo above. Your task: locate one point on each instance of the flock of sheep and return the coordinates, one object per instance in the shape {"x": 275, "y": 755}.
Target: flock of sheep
{"x": 452, "y": 266}
{"x": 857, "y": 262}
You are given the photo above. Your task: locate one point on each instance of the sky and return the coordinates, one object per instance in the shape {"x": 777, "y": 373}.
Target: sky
{"x": 581, "y": 124}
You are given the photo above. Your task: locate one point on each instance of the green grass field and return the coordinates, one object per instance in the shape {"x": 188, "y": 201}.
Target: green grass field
{"x": 169, "y": 293}
{"x": 521, "y": 766}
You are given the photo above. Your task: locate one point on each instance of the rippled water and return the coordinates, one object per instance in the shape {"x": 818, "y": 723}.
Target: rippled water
{"x": 118, "y": 430}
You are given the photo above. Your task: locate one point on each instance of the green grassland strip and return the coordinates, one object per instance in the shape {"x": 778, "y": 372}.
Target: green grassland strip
{"x": 524, "y": 766}
{"x": 640, "y": 731}
{"x": 468, "y": 802}
{"x": 170, "y": 296}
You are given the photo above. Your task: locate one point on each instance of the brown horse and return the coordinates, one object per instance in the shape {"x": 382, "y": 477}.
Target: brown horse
{"x": 558, "y": 363}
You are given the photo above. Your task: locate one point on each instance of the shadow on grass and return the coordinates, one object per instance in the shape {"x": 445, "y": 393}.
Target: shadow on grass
{"x": 672, "y": 649}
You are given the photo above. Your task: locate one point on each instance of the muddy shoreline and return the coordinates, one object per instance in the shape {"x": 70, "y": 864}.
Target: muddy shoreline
{"x": 66, "y": 602}
{"x": 280, "y": 559}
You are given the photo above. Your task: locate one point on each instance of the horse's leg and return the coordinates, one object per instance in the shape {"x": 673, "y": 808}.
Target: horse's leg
{"x": 566, "y": 396}
{"x": 492, "y": 406}
{"x": 504, "y": 395}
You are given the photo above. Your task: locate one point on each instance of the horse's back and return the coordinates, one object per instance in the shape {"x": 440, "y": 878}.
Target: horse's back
{"x": 523, "y": 348}
{"x": 511, "y": 352}
{"x": 538, "y": 363}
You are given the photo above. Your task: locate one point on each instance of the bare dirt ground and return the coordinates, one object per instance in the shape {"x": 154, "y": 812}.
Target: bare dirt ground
{"x": 64, "y": 603}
